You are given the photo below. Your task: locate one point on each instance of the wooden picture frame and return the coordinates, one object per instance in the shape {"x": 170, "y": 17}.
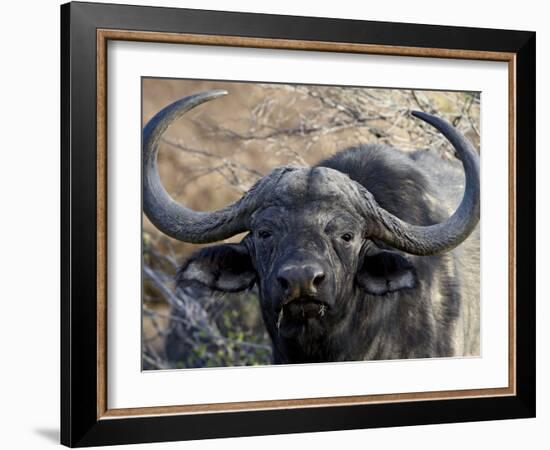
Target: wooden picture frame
{"x": 86, "y": 418}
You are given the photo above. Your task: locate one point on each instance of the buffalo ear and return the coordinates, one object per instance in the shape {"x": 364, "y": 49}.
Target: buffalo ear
{"x": 226, "y": 268}
{"x": 386, "y": 272}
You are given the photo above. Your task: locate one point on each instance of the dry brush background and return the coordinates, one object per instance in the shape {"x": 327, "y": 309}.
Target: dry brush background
{"x": 217, "y": 151}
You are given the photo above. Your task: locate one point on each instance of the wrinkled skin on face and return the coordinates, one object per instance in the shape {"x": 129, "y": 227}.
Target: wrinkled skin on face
{"x": 302, "y": 243}
{"x": 328, "y": 292}
{"x": 306, "y": 262}
{"x": 307, "y": 245}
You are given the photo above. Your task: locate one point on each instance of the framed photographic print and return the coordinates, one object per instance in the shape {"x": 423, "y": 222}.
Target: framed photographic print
{"x": 277, "y": 224}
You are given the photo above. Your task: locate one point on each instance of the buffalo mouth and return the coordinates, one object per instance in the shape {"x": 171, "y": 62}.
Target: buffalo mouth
{"x": 301, "y": 309}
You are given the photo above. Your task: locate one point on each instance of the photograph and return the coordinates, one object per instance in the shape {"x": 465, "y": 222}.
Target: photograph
{"x": 301, "y": 223}
{"x": 290, "y": 221}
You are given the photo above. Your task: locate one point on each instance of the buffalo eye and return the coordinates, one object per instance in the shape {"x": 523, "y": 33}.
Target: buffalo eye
{"x": 264, "y": 234}
{"x": 346, "y": 237}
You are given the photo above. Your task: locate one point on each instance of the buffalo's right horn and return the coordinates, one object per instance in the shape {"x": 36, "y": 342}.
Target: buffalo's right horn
{"x": 442, "y": 237}
{"x": 170, "y": 217}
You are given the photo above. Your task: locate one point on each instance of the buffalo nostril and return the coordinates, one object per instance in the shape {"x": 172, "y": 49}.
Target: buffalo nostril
{"x": 283, "y": 282}
{"x": 318, "y": 279}
{"x": 303, "y": 279}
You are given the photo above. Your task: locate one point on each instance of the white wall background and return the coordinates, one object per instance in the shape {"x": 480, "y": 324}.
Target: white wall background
{"x": 29, "y": 189}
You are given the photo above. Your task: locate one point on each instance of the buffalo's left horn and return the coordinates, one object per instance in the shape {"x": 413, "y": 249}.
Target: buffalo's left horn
{"x": 442, "y": 237}
{"x": 169, "y": 216}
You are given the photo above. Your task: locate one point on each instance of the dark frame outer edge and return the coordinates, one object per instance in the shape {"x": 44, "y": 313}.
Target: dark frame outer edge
{"x": 525, "y": 223}
{"x": 79, "y": 291}
{"x": 65, "y": 229}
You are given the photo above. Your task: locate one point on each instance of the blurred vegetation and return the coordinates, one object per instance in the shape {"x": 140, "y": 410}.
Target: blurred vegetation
{"x": 212, "y": 330}
{"x": 213, "y": 155}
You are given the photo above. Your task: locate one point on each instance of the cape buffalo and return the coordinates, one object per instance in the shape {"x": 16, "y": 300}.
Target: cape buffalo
{"x": 355, "y": 258}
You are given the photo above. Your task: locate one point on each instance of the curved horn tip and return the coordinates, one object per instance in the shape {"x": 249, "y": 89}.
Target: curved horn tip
{"x": 445, "y": 236}
{"x": 418, "y": 113}
{"x": 432, "y": 120}
{"x": 213, "y": 93}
